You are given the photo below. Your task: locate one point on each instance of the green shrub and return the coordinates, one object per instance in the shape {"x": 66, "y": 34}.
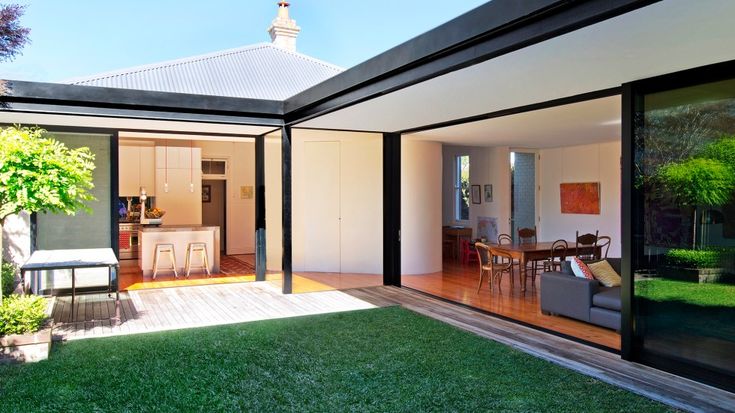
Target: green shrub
{"x": 22, "y": 314}
{"x": 8, "y": 278}
{"x": 694, "y": 258}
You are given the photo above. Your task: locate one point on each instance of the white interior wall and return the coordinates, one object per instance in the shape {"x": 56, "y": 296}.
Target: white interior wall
{"x": 585, "y": 163}
{"x": 361, "y": 199}
{"x": 488, "y": 166}
{"x": 240, "y": 212}
{"x": 421, "y": 207}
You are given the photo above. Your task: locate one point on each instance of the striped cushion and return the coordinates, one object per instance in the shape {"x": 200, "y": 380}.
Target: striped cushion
{"x": 604, "y": 273}
{"x": 581, "y": 270}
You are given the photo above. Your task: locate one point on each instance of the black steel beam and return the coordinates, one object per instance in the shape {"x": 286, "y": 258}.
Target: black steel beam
{"x": 104, "y": 97}
{"x": 287, "y": 260}
{"x": 392, "y": 209}
{"x": 114, "y": 195}
{"x": 260, "y": 246}
{"x": 489, "y": 31}
{"x": 626, "y": 219}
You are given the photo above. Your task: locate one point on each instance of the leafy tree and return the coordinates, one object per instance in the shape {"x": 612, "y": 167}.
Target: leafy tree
{"x": 13, "y": 36}
{"x": 707, "y": 180}
{"x": 40, "y": 174}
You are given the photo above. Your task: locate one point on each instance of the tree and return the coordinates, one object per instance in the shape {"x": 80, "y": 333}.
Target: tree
{"x": 707, "y": 180}
{"x": 40, "y": 174}
{"x": 13, "y": 36}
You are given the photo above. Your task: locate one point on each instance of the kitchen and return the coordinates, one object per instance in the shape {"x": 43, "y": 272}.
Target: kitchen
{"x": 184, "y": 205}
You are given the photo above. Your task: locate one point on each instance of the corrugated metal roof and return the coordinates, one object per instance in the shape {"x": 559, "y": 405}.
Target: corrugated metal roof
{"x": 260, "y": 71}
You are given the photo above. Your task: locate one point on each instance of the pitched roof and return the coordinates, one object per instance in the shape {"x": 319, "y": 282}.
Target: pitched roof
{"x": 259, "y": 71}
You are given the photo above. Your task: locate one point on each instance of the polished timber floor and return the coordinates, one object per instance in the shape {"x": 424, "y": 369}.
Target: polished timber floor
{"x": 458, "y": 282}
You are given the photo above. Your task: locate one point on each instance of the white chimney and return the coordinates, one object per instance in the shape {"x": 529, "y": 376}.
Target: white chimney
{"x": 283, "y": 29}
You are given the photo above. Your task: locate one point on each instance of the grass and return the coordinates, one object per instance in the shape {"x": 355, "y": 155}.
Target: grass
{"x": 681, "y": 308}
{"x": 374, "y": 360}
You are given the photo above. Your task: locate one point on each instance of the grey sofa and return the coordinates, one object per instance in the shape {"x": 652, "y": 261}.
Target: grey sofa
{"x": 587, "y": 300}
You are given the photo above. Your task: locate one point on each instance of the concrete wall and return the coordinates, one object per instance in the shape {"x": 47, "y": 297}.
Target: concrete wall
{"x": 421, "y": 207}
{"x": 586, "y": 163}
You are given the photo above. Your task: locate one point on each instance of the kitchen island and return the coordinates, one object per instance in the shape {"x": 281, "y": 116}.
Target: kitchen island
{"x": 180, "y": 236}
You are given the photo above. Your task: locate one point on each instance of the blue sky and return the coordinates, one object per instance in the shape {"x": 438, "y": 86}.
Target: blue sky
{"x": 82, "y": 37}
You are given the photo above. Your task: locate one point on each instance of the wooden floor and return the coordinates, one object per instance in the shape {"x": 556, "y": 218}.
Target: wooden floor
{"x": 673, "y": 390}
{"x": 184, "y": 307}
{"x": 458, "y": 283}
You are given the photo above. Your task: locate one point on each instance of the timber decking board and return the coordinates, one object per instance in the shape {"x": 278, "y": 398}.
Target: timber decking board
{"x": 604, "y": 365}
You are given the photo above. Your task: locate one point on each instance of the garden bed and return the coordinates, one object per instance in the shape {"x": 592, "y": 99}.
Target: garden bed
{"x": 29, "y": 347}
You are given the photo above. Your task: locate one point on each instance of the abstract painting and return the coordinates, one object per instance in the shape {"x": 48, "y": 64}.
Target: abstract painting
{"x": 580, "y": 198}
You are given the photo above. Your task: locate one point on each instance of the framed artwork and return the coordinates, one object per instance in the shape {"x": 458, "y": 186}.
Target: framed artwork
{"x": 206, "y": 193}
{"x": 488, "y": 193}
{"x": 475, "y": 193}
{"x": 487, "y": 228}
{"x": 580, "y": 198}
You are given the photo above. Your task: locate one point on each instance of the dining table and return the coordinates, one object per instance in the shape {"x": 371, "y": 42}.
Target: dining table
{"x": 527, "y": 252}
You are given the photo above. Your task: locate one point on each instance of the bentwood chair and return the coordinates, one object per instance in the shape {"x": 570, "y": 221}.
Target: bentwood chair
{"x": 504, "y": 239}
{"x": 589, "y": 241}
{"x": 500, "y": 263}
{"x": 483, "y": 257}
{"x": 603, "y": 243}
{"x": 557, "y": 256}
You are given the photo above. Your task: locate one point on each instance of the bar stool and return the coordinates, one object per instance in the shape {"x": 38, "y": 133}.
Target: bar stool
{"x": 164, "y": 249}
{"x": 199, "y": 248}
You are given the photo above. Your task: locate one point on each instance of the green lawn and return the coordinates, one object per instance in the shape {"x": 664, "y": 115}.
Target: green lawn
{"x": 375, "y": 360}
{"x": 705, "y": 294}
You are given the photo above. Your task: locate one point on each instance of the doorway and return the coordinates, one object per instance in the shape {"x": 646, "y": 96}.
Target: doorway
{"x": 523, "y": 191}
{"x": 214, "y": 207}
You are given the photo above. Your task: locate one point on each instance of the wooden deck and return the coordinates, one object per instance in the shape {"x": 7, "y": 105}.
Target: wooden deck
{"x": 673, "y": 390}
{"x": 185, "y": 307}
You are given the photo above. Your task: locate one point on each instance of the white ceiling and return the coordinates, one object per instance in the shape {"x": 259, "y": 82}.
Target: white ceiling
{"x": 661, "y": 38}
{"x": 581, "y": 123}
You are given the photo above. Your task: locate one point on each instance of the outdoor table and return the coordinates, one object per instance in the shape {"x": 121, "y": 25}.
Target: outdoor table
{"x": 49, "y": 260}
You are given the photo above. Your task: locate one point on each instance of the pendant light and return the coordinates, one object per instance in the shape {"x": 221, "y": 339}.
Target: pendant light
{"x": 191, "y": 166}
{"x": 165, "y": 166}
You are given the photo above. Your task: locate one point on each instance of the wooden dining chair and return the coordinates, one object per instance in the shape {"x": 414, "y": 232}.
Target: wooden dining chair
{"x": 483, "y": 257}
{"x": 603, "y": 245}
{"x": 557, "y": 256}
{"x": 527, "y": 235}
{"x": 500, "y": 263}
{"x": 586, "y": 240}
{"x": 504, "y": 239}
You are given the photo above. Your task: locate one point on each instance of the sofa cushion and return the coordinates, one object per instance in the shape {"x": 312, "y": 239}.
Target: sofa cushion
{"x": 604, "y": 273}
{"x": 566, "y": 268}
{"x": 604, "y": 317}
{"x": 581, "y": 270}
{"x": 607, "y": 298}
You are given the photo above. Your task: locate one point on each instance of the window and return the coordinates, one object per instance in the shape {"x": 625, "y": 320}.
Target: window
{"x": 462, "y": 188}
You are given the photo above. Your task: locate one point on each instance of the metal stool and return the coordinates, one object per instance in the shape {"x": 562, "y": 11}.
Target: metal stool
{"x": 197, "y": 248}
{"x": 164, "y": 249}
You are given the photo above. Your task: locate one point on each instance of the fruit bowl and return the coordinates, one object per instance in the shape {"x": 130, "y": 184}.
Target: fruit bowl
{"x": 154, "y": 213}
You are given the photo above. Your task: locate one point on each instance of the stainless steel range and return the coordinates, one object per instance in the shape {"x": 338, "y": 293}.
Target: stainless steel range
{"x": 128, "y": 238}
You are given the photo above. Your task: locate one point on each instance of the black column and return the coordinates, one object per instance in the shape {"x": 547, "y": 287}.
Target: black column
{"x": 392, "y": 209}
{"x": 260, "y": 251}
{"x": 286, "y": 188}
{"x": 114, "y": 192}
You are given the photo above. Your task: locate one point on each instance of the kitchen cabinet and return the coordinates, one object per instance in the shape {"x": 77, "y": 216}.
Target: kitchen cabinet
{"x": 136, "y": 170}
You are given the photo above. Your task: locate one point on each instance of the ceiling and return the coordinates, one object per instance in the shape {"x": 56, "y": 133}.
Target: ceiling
{"x": 592, "y": 121}
{"x": 664, "y": 37}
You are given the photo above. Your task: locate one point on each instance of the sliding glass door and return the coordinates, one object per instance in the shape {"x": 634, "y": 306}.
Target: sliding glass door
{"x": 684, "y": 235}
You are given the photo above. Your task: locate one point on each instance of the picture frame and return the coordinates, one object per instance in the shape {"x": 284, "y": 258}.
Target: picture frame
{"x": 489, "y": 193}
{"x": 206, "y": 193}
{"x": 475, "y": 194}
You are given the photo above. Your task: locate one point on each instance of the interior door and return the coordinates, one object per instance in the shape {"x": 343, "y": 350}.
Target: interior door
{"x": 322, "y": 228}
{"x": 523, "y": 191}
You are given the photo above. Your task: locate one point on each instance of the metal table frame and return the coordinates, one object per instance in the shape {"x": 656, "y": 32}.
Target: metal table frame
{"x": 73, "y": 267}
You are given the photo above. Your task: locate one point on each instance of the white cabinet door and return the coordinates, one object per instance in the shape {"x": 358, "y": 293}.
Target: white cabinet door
{"x": 148, "y": 170}
{"x": 129, "y": 158}
{"x": 322, "y": 228}
{"x": 182, "y": 206}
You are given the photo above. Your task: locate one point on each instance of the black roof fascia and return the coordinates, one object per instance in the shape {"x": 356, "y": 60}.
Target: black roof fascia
{"x": 48, "y": 109}
{"x": 493, "y": 29}
{"x": 139, "y": 100}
